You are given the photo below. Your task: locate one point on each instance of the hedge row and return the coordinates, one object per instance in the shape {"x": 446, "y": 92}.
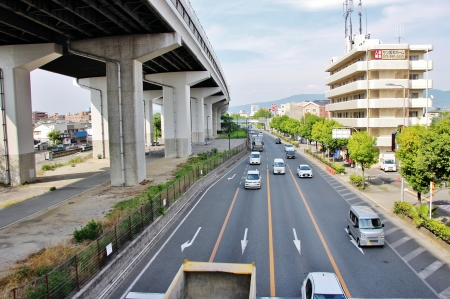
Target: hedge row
{"x": 338, "y": 168}
{"x": 420, "y": 216}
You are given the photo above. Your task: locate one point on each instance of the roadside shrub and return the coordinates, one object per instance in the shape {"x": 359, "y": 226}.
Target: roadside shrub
{"x": 162, "y": 210}
{"x": 420, "y": 216}
{"x": 52, "y": 188}
{"x": 99, "y": 156}
{"x": 90, "y": 231}
{"x": 356, "y": 180}
{"x": 46, "y": 167}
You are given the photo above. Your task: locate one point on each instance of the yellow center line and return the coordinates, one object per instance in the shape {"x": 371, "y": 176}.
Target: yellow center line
{"x": 271, "y": 260}
{"x": 322, "y": 239}
{"x": 213, "y": 254}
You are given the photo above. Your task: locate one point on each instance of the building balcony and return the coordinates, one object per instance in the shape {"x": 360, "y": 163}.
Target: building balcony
{"x": 380, "y": 84}
{"x": 384, "y": 141}
{"x": 392, "y": 122}
{"x": 360, "y": 67}
{"x": 379, "y": 104}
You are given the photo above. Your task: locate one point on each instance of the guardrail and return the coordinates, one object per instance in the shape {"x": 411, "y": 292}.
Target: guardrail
{"x": 68, "y": 278}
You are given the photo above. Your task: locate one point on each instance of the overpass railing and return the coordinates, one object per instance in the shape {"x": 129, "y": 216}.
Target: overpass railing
{"x": 199, "y": 32}
{"x": 68, "y": 278}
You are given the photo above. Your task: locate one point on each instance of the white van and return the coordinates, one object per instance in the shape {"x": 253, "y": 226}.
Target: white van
{"x": 278, "y": 166}
{"x": 387, "y": 161}
{"x": 255, "y": 158}
{"x": 365, "y": 226}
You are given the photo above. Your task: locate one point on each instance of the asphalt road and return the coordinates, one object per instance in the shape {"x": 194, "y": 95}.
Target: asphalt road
{"x": 292, "y": 227}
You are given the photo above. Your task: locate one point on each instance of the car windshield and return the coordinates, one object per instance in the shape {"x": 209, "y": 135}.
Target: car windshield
{"x": 305, "y": 167}
{"x": 278, "y": 164}
{"x": 290, "y": 152}
{"x": 328, "y": 296}
{"x": 254, "y": 155}
{"x": 370, "y": 223}
{"x": 289, "y": 145}
{"x": 252, "y": 176}
{"x": 389, "y": 162}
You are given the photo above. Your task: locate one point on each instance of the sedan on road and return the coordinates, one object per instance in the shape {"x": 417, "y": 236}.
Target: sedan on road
{"x": 322, "y": 285}
{"x": 304, "y": 171}
{"x": 290, "y": 154}
{"x": 288, "y": 146}
{"x": 253, "y": 180}
{"x": 277, "y": 140}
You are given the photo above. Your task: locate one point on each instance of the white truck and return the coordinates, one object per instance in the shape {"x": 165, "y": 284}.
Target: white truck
{"x": 208, "y": 280}
{"x": 388, "y": 162}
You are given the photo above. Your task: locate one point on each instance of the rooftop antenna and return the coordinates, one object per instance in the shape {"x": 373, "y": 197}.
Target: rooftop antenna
{"x": 347, "y": 8}
{"x": 399, "y": 32}
{"x": 360, "y": 15}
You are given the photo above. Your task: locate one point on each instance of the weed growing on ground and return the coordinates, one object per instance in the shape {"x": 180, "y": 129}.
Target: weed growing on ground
{"x": 10, "y": 204}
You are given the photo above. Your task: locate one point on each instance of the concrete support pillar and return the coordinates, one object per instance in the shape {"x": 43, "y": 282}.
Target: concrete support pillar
{"x": 125, "y": 96}
{"x": 17, "y": 163}
{"x": 149, "y": 96}
{"x": 209, "y": 111}
{"x": 99, "y": 114}
{"x": 198, "y": 117}
{"x": 177, "y": 115}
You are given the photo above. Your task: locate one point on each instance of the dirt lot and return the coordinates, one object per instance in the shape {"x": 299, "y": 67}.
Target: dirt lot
{"x": 45, "y": 228}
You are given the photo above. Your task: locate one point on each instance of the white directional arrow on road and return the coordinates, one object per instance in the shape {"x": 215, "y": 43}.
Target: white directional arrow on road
{"x": 354, "y": 242}
{"x": 189, "y": 243}
{"x": 231, "y": 177}
{"x": 297, "y": 241}
{"x": 244, "y": 242}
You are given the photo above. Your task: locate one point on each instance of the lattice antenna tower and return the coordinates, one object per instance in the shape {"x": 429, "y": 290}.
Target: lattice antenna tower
{"x": 399, "y": 32}
{"x": 360, "y": 16}
{"x": 347, "y": 8}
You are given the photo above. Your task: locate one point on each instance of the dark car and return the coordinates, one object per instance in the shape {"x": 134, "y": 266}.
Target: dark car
{"x": 290, "y": 154}
{"x": 278, "y": 140}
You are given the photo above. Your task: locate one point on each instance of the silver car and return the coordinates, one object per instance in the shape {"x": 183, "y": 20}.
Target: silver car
{"x": 252, "y": 180}
{"x": 304, "y": 171}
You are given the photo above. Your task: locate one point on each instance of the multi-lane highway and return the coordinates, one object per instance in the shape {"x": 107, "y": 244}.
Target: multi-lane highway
{"x": 290, "y": 227}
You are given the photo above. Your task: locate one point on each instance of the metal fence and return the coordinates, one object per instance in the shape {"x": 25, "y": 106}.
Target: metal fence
{"x": 68, "y": 278}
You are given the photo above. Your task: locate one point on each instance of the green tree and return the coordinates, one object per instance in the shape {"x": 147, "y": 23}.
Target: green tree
{"x": 157, "y": 125}
{"x": 277, "y": 121}
{"x": 54, "y": 135}
{"x": 261, "y": 113}
{"x": 306, "y": 124}
{"x": 435, "y": 149}
{"x": 410, "y": 150}
{"x": 331, "y": 143}
{"x": 361, "y": 149}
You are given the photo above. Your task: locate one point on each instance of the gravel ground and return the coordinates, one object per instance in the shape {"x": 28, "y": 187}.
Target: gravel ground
{"x": 45, "y": 228}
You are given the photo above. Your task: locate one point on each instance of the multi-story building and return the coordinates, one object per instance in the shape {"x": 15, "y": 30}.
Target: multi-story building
{"x": 56, "y": 116}
{"x": 298, "y": 109}
{"x": 253, "y": 109}
{"x": 377, "y": 87}
{"x": 84, "y": 117}
{"x": 37, "y": 116}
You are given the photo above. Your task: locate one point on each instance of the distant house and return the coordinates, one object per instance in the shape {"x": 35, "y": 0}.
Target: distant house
{"x": 68, "y": 131}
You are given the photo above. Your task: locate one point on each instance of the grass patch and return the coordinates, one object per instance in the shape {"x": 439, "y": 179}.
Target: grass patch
{"x": 72, "y": 162}
{"x": 234, "y": 135}
{"x": 36, "y": 265}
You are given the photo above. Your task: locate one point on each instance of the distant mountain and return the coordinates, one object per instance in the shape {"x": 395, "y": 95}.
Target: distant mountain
{"x": 441, "y": 100}
{"x": 294, "y": 98}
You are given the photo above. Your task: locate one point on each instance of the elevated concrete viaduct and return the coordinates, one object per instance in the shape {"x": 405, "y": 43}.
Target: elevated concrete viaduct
{"x": 116, "y": 50}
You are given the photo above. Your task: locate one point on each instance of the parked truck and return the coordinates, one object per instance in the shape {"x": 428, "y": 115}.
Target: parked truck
{"x": 388, "y": 162}
{"x": 208, "y": 280}
{"x": 257, "y": 143}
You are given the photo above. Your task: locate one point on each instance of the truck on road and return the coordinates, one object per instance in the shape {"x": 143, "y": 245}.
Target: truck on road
{"x": 388, "y": 162}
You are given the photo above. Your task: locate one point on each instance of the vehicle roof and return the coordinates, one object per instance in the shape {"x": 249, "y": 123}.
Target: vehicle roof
{"x": 304, "y": 165}
{"x": 253, "y": 171}
{"x": 364, "y": 212}
{"x": 278, "y": 160}
{"x": 255, "y": 153}
{"x": 288, "y": 144}
{"x": 326, "y": 283}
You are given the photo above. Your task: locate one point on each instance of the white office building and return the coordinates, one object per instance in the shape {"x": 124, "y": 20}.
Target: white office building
{"x": 253, "y": 109}
{"x": 377, "y": 87}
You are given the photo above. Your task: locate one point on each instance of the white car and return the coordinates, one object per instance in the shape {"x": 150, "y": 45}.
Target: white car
{"x": 322, "y": 285}
{"x": 252, "y": 180}
{"x": 304, "y": 171}
{"x": 288, "y": 147}
{"x": 255, "y": 158}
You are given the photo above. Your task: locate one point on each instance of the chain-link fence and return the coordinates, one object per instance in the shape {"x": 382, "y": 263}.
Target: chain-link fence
{"x": 66, "y": 279}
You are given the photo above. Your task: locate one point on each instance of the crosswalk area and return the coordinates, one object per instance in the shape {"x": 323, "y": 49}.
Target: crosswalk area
{"x": 432, "y": 271}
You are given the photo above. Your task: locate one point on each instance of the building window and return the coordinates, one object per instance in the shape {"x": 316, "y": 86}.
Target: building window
{"x": 359, "y": 114}
{"x": 413, "y": 113}
{"x": 414, "y": 95}
{"x": 414, "y": 57}
{"x": 413, "y": 76}
{"x": 314, "y": 110}
{"x": 307, "y": 110}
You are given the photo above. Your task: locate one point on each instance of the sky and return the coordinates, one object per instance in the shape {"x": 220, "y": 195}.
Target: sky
{"x": 272, "y": 49}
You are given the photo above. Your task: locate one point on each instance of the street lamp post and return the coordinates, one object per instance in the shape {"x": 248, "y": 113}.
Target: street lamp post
{"x": 402, "y": 191}
{"x": 229, "y": 136}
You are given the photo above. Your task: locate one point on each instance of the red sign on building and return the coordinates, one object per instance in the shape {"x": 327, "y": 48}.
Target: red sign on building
{"x": 378, "y": 54}
{"x": 274, "y": 107}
